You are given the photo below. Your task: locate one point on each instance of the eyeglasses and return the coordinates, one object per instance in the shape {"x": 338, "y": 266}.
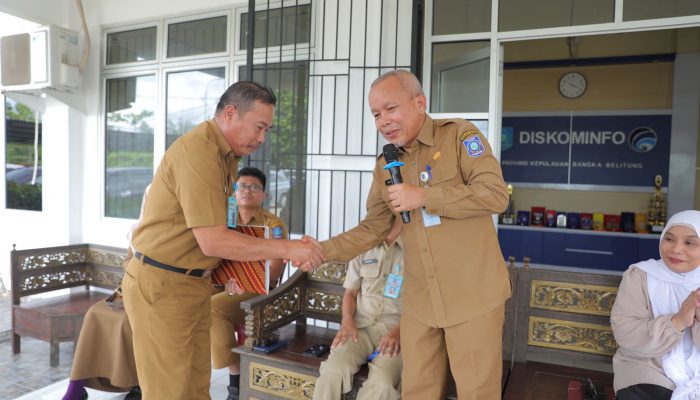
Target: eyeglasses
{"x": 251, "y": 188}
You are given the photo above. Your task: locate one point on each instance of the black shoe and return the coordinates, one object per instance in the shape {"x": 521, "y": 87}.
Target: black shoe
{"x": 232, "y": 393}
{"x": 134, "y": 394}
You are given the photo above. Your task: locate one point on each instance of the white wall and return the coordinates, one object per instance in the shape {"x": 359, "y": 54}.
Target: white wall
{"x": 52, "y": 226}
{"x": 58, "y": 12}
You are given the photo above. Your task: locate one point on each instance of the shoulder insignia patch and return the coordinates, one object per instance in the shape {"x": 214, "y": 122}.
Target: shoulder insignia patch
{"x": 466, "y": 134}
{"x": 474, "y": 146}
{"x": 277, "y": 232}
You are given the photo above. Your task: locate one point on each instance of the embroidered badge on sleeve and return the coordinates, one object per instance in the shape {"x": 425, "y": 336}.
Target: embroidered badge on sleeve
{"x": 277, "y": 232}
{"x": 474, "y": 146}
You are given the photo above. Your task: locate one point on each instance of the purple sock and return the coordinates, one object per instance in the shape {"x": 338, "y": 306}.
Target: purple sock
{"x": 75, "y": 390}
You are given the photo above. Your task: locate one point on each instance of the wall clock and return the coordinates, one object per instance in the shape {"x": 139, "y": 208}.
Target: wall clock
{"x": 572, "y": 85}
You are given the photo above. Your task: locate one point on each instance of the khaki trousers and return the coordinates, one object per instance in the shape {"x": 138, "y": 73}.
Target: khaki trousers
{"x": 344, "y": 361}
{"x": 473, "y": 349}
{"x": 169, "y": 314}
{"x": 225, "y": 313}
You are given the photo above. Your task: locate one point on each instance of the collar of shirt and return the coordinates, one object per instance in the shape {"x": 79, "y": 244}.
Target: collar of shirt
{"x": 224, "y": 148}
{"x": 425, "y": 136}
{"x": 256, "y": 219}
{"x": 397, "y": 243}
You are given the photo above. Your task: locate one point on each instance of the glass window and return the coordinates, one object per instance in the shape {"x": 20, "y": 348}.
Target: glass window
{"x": 191, "y": 99}
{"x": 283, "y": 155}
{"x": 648, "y": 9}
{"x": 129, "y": 143}
{"x": 131, "y": 46}
{"x": 461, "y": 16}
{"x": 517, "y": 14}
{"x": 278, "y": 26}
{"x": 202, "y": 36}
{"x": 23, "y": 149}
{"x": 460, "y": 77}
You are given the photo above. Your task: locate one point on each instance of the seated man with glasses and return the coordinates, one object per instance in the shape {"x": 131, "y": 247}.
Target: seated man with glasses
{"x": 226, "y": 306}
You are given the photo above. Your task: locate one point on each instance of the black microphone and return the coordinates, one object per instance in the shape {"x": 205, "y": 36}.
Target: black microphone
{"x": 391, "y": 156}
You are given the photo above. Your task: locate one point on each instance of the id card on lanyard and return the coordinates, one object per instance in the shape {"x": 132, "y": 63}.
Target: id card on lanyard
{"x": 392, "y": 289}
{"x": 232, "y": 210}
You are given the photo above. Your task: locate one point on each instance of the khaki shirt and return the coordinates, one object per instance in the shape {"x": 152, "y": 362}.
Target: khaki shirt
{"x": 368, "y": 272}
{"x": 189, "y": 190}
{"x": 278, "y": 229}
{"x": 454, "y": 271}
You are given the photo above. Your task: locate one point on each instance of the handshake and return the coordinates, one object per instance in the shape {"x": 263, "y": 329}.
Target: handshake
{"x": 305, "y": 254}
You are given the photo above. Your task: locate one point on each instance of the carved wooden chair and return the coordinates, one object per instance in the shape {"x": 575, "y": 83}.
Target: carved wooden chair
{"x": 59, "y": 319}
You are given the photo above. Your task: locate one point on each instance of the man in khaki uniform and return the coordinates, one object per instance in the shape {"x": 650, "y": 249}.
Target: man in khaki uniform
{"x": 456, "y": 282}
{"x": 183, "y": 235}
{"x": 226, "y": 306}
{"x": 371, "y": 322}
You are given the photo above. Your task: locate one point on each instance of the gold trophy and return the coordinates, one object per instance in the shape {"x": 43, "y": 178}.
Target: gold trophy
{"x": 657, "y": 208}
{"x": 508, "y": 216}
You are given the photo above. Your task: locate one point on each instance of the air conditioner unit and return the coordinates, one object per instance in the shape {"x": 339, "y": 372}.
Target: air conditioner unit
{"x": 45, "y": 57}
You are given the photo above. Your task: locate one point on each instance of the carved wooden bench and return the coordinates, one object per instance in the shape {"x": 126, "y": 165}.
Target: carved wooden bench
{"x": 287, "y": 373}
{"x": 562, "y": 317}
{"x": 59, "y": 318}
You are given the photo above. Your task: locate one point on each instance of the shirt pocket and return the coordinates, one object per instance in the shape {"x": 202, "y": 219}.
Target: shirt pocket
{"x": 369, "y": 268}
{"x": 446, "y": 172}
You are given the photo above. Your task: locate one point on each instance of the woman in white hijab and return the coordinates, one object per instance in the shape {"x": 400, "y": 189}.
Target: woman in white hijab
{"x": 656, "y": 319}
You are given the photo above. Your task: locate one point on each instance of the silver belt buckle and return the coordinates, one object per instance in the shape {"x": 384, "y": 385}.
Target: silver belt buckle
{"x": 206, "y": 273}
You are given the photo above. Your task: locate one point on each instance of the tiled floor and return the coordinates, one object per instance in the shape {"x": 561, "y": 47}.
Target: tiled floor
{"x": 5, "y": 316}
{"x": 219, "y": 380}
{"x": 28, "y": 376}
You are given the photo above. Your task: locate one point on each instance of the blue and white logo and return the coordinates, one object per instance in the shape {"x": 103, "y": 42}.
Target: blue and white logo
{"x": 506, "y": 138}
{"x": 642, "y": 139}
{"x": 474, "y": 146}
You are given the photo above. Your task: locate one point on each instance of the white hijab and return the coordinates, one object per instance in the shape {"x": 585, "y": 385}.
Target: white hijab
{"x": 667, "y": 291}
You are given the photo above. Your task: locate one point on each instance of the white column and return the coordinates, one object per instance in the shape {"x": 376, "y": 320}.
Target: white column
{"x": 684, "y": 132}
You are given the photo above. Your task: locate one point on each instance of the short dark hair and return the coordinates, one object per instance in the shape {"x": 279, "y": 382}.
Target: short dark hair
{"x": 243, "y": 95}
{"x": 255, "y": 173}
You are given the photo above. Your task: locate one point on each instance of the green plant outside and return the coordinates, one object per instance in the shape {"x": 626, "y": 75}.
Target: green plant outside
{"x": 129, "y": 159}
{"x": 21, "y": 154}
{"x": 23, "y": 197}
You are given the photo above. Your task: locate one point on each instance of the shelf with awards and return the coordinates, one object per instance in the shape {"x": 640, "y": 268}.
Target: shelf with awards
{"x": 580, "y": 231}
{"x": 598, "y": 250}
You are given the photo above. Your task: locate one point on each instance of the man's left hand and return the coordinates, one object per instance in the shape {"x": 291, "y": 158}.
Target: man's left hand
{"x": 391, "y": 343}
{"x": 405, "y": 197}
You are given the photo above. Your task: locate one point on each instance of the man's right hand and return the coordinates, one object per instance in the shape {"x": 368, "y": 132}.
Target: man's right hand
{"x": 347, "y": 330}
{"x": 305, "y": 254}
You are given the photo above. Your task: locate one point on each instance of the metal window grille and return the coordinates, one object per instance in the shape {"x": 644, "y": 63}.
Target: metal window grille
{"x": 320, "y": 157}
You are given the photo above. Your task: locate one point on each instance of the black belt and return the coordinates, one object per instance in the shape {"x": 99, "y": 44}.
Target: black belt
{"x": 199, "y": 273}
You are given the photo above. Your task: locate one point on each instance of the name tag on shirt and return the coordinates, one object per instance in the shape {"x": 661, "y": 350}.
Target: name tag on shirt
{"x": 369, "y": 261}
{"x": 429, "y": 219}
{"x": 392, "y": 289}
